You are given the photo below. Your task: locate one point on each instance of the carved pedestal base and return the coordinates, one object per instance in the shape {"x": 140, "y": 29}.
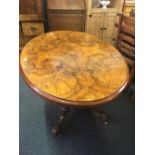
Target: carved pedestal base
{"x": 58, "y": 128}
{"x": 102, "y": 116}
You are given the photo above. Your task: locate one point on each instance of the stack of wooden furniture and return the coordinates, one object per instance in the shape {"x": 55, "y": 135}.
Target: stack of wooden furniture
{"x": 31, "y": 21}
{"x": 77, "y": 15}
{"x": 66, "y": 15}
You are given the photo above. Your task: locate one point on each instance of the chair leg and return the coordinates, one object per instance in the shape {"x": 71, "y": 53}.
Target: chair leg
{"x": 57, "y": 130}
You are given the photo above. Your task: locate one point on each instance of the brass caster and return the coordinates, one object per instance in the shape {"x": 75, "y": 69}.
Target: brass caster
{"x": 102, "y": 116}
{"x": 56, "y": 131}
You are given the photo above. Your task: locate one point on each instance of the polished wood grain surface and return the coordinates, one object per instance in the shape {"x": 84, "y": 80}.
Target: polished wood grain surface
{"x": 73, "y": 68}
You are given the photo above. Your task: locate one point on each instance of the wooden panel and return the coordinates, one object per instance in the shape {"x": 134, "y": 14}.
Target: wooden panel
{"x": 32, "y": 28}
{"x": 66, "y": 4}
{"x": 68, "y": 19}
{"x": 66, "y": 22}
{"x": 30, "y": 7}
{"x": 95, "y": 25}
{"x": 127, "y": 39}
{"x": 31, "y": 18}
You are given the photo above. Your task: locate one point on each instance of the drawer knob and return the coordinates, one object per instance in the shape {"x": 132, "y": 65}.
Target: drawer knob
{"x": 90, "y": 15}
{"x": 33, "y": 29}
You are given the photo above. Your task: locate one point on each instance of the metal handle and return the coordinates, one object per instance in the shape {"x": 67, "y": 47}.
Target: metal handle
{"x": 33, "y": 29}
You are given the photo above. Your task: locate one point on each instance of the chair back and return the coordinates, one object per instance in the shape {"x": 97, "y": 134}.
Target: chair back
{"x": 126, "y": 40}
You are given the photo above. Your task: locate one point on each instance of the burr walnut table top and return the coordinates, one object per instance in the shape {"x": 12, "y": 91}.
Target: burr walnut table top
{"x": 73, "y": 68}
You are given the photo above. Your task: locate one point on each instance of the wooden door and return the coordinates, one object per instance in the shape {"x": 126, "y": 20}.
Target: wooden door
{"x": 95, "y": 25}
{"x": 110, "y": 31}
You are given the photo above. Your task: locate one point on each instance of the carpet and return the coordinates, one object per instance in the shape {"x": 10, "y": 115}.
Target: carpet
{"x": 83, "y": 134}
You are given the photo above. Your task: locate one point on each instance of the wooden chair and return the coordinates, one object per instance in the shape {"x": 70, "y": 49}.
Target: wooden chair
{"x": 126, "y": 42}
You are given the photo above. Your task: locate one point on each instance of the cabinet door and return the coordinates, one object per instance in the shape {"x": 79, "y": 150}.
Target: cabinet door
{"x": 110, "y": 31}
{"x": 95, "y": 25}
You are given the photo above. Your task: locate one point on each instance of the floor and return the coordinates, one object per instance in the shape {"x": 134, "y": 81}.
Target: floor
{"x": 83, "y": 134}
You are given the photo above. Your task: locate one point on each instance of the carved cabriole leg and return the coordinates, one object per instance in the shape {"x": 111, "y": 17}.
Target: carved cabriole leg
{"x": 58, "y": 128}
{"x": 101, "y": 115}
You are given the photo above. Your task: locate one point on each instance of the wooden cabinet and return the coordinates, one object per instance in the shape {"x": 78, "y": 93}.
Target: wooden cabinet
{"x": 102, "y": 25}
{"x": 101, "y": 22}
{"x": 31, "y": 21}
{"x": 66, "y": 15}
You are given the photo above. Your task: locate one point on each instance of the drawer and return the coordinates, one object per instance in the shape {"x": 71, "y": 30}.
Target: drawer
{"x": 32, "y": 28}
{"x": 68, "y": 19}
{"x": 66, "y": 22}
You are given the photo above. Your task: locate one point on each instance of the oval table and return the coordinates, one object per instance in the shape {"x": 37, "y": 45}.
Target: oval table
{"x": 73, "y": 69}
